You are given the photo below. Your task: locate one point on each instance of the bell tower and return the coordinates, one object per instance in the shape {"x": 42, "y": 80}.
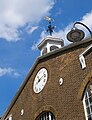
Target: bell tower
{"x": 50, "y": 44}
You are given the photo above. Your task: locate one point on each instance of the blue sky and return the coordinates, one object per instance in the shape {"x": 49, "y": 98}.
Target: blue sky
{"x": 22, "y": 27}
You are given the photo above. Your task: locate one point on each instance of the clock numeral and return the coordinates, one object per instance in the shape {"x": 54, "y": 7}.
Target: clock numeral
{"x": 44, "y": 75}
{"x": 36, "y": 90}
{"x": 44, "y": 80}
{"x": 39, "y": 89}
{"x": 37, "y": 77}
{"x": 36, "y": 82}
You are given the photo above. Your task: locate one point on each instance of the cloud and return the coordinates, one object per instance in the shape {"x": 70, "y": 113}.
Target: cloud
{"x": 87, "y": 19}
{"x": 16, "y": 14}
{"x": 42, "y": 36}
{"x": 32, "y": 29}
{"x": 8, "y": 71}
{"x": 58, "y": 12}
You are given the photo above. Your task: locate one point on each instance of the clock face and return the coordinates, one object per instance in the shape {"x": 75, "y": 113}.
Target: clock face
{"x": 40, "y": 80}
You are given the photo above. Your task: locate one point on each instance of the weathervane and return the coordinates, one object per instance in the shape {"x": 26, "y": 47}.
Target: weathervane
{"x": 50, "y": 27}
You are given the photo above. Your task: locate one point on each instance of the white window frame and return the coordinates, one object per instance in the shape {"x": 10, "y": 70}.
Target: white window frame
{"x": 9, "y": 117}
{"x": 89, "y": 105}
{"x": 46, "y": 116}
{"x": 85, "y": 107}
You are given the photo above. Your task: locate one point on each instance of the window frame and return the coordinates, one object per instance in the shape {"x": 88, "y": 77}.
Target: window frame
{"x": 87, "y": 102}
{"x": 54, "y": 47}
{"x": 9, "y": 117}
{"x": 44, "y": 51}
{"x": 46, "y": 115}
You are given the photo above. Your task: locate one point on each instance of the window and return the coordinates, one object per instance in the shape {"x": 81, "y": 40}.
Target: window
{"x": 87, "y": 101}
{"x": 53, "y": 48}
{"x": 46, "y": 116}
{"x": 44, "y": 51}
{"x": 9, "y": 117}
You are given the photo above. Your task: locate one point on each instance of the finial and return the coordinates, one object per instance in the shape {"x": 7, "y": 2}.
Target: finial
{"x": 50, "y": 27}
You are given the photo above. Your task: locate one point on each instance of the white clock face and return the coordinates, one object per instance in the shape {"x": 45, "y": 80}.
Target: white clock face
{"x": 40, "y": 80}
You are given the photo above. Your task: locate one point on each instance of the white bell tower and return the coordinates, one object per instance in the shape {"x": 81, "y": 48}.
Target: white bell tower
{"x": 50, "y": 44}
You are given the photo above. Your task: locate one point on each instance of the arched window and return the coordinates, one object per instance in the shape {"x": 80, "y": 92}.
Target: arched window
{"x": 46, "y": 116}
{"x": 53, "y": 47}
{"x": 87, "y": 101}
{"x": 44, "y": 51}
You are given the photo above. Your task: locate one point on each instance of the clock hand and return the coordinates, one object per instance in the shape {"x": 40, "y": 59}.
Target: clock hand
{"x": 41, "y": 78}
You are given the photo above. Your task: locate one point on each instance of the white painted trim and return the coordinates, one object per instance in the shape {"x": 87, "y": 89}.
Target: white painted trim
{"x": 9, "y": 117}
{"x": 81, "y": 56}
{"x": 82, "y": 61}
{"x": 86, "y": 50}
{"x": 60, "y": 81}
{"x": 22, "y": 112}
{"x": 85, "y": 108}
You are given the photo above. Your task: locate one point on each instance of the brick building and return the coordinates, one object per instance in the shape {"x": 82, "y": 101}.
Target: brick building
{"x": 58, "y": 86}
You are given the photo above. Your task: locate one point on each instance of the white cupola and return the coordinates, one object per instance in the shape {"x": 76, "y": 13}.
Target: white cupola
{"x": 50, "y": 44}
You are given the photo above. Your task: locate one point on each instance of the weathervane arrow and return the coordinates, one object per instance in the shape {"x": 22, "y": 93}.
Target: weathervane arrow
{"x": 48, "y": 18}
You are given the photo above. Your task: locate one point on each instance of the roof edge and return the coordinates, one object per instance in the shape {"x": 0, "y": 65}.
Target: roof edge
{"x": 72, "y": 45}
{"x": 49, "y": 38}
